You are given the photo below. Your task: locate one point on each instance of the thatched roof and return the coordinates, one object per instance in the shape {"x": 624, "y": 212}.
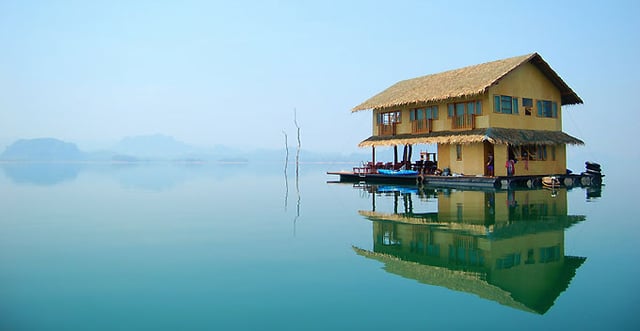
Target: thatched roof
{"x": 502, "y": 136}
{"x": 462, "y": 83}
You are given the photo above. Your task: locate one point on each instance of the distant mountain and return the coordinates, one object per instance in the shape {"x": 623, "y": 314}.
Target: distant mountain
{"x": 162, "y": 148}
{"x": 42, "y": 149}
{"x": 153, "y": 146}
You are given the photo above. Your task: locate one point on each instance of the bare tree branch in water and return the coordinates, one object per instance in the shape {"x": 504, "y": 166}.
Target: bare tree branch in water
{"x": 286, "y": 163}
{"x": 295, "y": 121}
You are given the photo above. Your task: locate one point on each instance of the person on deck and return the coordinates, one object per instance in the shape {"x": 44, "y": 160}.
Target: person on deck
{"x": 511, "y": 167}
{"x": 490, "y": 165}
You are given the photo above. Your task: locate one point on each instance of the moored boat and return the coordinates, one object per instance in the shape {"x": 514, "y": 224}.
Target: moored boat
{"x": 397, "y": 172}
{"x": 550, "y": 181}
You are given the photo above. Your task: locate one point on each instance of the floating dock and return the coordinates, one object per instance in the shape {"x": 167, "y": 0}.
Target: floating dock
{"x": 505, "y": 182}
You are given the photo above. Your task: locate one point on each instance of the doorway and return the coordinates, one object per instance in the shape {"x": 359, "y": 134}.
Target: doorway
{"x": 488, "y": 150}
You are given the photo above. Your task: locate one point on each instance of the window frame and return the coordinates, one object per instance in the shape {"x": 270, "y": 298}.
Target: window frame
{"x": 505, "y": 104}
{"x": 469, "y": 107}
{"x": 386, "y": 118}
{"x": 540, "y": 152}
{"x": 434, "y": 112}
{"x": 547, "y": 108}
{"x": 527, "y": 104}
{"x": 429, "y": 113}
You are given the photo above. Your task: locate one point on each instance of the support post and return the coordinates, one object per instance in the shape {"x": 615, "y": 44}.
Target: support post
{"x": 395, "y": 155}
{"x": 404, "y": 154}
{"x": 373, "y": 155}
{"x": 373, "y": 160}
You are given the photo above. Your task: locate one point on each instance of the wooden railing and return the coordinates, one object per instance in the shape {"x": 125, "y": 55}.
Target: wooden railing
{"x": 421, "y": 126}
{"x": 464, "y": 122}
{"x": 387, "y": 129}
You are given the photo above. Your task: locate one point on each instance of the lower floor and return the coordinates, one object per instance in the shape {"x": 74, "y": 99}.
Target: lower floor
{"x": 476, "y": 159}
{"x": 487, "y": 159}
{"x": 491, "y": 152}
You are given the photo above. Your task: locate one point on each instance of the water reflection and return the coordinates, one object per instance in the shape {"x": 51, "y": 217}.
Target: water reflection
{"x": 149, "y": 176}
{"x": 41, "y": 174}
{"x": 505, "y": 246}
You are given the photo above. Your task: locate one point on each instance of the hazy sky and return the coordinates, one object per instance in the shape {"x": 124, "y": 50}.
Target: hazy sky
{"x": 232, "y": 72}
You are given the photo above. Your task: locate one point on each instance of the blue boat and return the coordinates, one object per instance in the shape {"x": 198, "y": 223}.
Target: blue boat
{"x": 398, "y": 172}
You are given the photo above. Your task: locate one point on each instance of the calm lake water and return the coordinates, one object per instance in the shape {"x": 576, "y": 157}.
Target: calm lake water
{"x": 235, "y": 247}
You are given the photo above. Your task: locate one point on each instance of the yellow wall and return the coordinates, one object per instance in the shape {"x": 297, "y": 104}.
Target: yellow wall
{"x": 445, "y": 156}
{"x": 525, "y": 81}
{"x": 500, "y": 153}
{"x": 472, "y": 162}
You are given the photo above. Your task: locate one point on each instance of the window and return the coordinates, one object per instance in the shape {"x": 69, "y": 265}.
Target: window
{"x": 433, "y": 250}
{"x": 530, "y": 258}
{"x": 528, "y": 105}
{"x": 388, "y": 236}
{"x": 416, "y": 115}
{"x": 387, "y": 122}
{"x": 465, "y": 251}
{"x": 432, "y": 112}
{"x": 424, "y": 113}
{"x": 505, "y": 104}
{"x": 550, "y": 254}
{"x": 534, "y": 152}
{"x": 459, "y": 109}
{"x": 389, "y": 117}
{"x": 547, "y": 109}
{"x": 459, "y": 152}
{"x": 508, "y": 261}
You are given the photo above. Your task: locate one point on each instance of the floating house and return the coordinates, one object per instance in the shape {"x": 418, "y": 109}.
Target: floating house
{"x": 509, "y": 109}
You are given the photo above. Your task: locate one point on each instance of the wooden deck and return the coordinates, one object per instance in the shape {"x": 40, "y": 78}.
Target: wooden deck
{"x": 503, "y": 182}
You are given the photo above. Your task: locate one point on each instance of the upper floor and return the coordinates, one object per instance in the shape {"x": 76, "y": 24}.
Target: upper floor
{"x": 519, "y": 93}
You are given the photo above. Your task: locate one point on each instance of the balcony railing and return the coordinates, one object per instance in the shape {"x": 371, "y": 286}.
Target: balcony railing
{"x": 464, "y": 122}
{"x": 421, "y": 126}
{"x": 387, "y": 129}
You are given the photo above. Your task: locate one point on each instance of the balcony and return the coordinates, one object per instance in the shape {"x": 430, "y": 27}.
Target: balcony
{"x": 463, "y": 122}
{"x": 387, "y": 129}
{"x": 421, "y": 126}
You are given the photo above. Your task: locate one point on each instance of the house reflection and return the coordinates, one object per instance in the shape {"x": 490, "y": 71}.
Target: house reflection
{"x": 506, "y": 246}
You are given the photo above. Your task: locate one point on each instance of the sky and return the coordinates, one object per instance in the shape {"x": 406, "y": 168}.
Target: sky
{"x": 235, "y": 72}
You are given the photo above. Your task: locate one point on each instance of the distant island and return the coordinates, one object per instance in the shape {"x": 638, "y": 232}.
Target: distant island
{"x": 153, "y": 148}
{"x": 42, "y": 149}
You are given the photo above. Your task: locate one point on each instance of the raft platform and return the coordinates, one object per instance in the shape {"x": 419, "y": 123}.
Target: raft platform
{"x": 461, "y": 181}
